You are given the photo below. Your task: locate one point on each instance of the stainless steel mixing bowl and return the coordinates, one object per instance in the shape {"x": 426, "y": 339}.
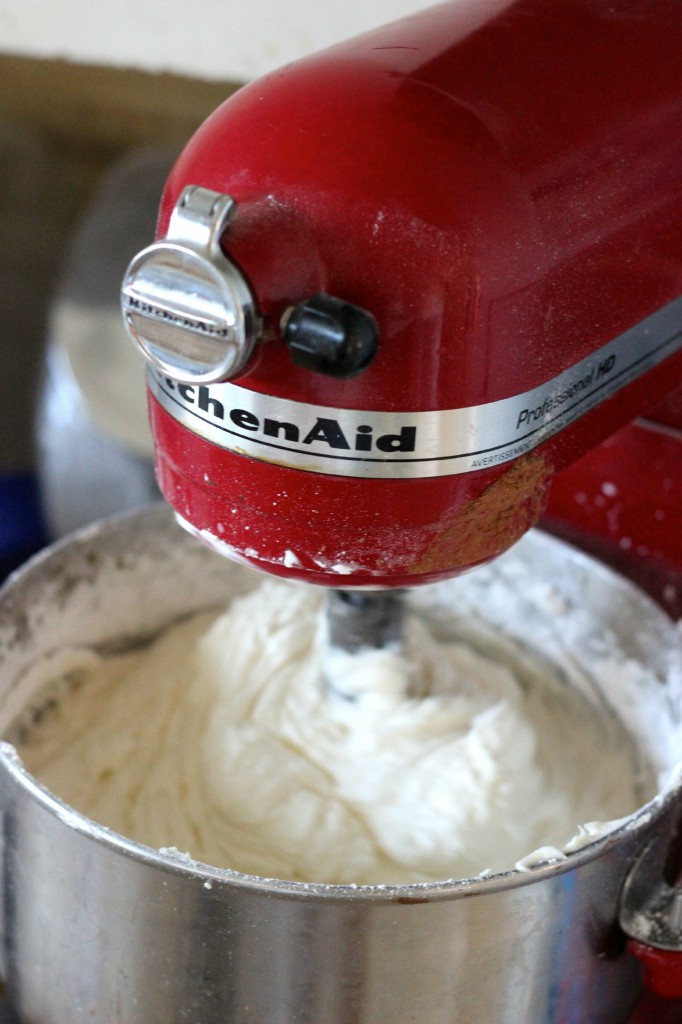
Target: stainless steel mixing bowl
{"x": 96, "y": 928}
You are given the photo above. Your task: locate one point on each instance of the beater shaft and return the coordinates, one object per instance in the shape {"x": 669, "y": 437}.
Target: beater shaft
{"x": 359, "y": 620}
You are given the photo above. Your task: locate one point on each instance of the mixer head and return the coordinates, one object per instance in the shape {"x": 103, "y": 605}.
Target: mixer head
{"x": 400, "y": 284}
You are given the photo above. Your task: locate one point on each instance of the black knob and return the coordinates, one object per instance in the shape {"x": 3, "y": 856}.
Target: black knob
{"x": 331, "y": 336}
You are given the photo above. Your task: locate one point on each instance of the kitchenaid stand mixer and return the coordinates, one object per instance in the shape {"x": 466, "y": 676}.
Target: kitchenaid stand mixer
{"x": 398, "y": 286}
{"x": 439, "y": 263}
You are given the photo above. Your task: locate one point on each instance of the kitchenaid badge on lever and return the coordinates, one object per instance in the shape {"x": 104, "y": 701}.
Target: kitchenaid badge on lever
{"x": 186, "y": 306}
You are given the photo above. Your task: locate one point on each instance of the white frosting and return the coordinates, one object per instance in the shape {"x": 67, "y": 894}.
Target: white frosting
{"x": 220, "y": 740}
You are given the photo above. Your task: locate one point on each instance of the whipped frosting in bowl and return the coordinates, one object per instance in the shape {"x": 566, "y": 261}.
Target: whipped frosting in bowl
{"x": 219, "y": 740}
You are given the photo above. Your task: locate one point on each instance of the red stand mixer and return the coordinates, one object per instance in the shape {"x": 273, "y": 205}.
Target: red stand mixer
{"x": 402, "y": 284}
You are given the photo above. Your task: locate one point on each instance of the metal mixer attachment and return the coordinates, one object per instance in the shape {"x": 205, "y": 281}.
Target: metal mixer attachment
{"x": 359, "y": 621}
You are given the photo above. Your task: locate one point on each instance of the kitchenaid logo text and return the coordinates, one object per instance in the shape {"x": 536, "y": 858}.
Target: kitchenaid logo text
{"x": 416, "y": 443}
{"x": 324, "y": 431}
{"x": 139, "y": 307}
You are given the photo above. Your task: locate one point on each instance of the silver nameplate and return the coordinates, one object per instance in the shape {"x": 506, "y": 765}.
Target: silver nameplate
{"x": 366, "y": 443}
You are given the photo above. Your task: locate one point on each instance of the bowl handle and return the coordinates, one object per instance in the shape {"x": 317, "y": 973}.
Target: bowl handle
{"x": 650, "y": 914}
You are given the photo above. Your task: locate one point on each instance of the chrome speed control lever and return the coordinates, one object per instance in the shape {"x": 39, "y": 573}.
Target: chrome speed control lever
{"x": 186, "y": 306}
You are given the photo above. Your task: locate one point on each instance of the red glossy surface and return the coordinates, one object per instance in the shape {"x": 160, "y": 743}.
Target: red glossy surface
{"x": 500, "y": 185}
{"x": 622, "y": 502}
{"x": 662, "y": 969}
